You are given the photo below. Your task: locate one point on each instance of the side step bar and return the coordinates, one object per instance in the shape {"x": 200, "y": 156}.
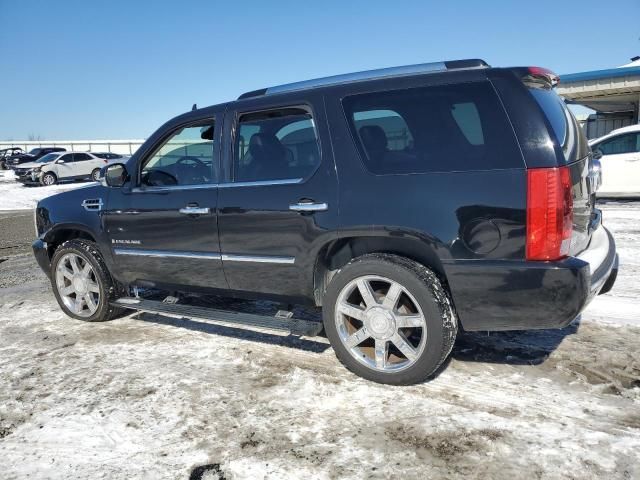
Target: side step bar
{"x": 291, "y": 325}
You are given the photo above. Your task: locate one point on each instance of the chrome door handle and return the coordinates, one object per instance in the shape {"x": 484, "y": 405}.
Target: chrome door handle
{"x": 194, "y": 210}
{"x": 308, "y": 207}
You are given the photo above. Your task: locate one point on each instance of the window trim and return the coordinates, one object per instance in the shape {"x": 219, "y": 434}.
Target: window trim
{"x": 139, "y": 188}
{"x": 231, "y": 182}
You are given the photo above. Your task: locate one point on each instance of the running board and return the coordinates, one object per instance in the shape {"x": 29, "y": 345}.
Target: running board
{"x": 291, "y": 325}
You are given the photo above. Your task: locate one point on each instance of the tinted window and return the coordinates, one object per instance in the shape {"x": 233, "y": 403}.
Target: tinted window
{"x": 275, "y": 145}
{"x": 627, "y": 143}
{"x": 186, "y": 158}
{"x": 444, "y": 128}
{"x": 81, "y": 157}
{"x": 67, "y": 158}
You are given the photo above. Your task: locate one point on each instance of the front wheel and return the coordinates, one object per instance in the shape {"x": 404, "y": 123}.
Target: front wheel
{"x": 49, "y": 178}
{"x": 389, "y": 319}
{"x": 81, "y": 282}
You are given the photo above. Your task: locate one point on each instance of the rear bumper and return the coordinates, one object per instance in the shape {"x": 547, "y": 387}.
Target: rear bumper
{"x": 521, "y": 295}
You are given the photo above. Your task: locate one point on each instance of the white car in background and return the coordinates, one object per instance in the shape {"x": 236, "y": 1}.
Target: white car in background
{"x": 61, "y": 166}
{"x": 619, "y": 155}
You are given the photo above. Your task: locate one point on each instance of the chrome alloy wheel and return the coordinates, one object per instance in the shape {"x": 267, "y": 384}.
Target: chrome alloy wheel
{"x": 380, "y": 323}
{"x": 77, "y": 285}
{"x": 48, "y": 179}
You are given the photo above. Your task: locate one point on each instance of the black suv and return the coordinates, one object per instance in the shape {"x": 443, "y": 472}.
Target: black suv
{"x": 6, "y": 153}
{"x": 33, "y": 155}
{"x": 407, "y": 202}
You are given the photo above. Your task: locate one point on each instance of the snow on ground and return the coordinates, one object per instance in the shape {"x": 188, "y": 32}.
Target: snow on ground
{"x": 16, "y": 196}
{"x": 146, "y": 396}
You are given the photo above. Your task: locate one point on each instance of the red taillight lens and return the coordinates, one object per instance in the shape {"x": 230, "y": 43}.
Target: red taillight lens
{"x": 545, "y": 73}
{"x": 549, "y": 213}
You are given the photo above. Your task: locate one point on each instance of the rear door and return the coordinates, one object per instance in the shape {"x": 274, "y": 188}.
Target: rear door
{"x": 279, "y": 205}
{"x": 163, "y": 229}
{"x": 620, "y": 163}
{"x": 82, "y": 164}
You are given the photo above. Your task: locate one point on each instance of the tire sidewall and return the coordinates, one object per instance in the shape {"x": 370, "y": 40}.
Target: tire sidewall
{"x": 95, "y": 174}
{"x": 432, "y": 354}
{"x": 102, "y": 278}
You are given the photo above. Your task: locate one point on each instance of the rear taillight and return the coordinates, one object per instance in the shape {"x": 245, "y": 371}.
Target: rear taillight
{"x": 549, "y": 213}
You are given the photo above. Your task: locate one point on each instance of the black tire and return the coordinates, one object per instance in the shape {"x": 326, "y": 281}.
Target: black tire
{"x": 3, "y": 165}
{"x": 109, "y": 289}
{"x": 424, "y": 286}
{"x": 95, "y": 174}
{"x": 49, "y": 175}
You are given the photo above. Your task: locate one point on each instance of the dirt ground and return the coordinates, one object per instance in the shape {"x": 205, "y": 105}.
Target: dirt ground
{"x": 147, "y": 396}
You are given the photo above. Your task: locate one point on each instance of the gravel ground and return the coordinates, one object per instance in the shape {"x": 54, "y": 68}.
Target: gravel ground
{"x": 148, "y": 396}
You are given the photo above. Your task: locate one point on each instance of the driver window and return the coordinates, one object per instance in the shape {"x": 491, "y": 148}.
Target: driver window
{"x": 186, "y": 158}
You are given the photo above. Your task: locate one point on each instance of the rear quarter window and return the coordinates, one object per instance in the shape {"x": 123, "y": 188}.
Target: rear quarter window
{"x": 432, "y": 129}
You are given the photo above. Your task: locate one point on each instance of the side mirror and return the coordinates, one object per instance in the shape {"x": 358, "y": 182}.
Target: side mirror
{"x": 115, "y": 175}
{"x": 58, "y": 162}
{"x": 597, "y": 154}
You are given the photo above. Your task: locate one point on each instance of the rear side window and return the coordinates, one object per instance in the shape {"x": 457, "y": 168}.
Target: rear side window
{"x": 627, "y": 143}
{"x": 432, "y": 129}
{"x": 276, "y": 145}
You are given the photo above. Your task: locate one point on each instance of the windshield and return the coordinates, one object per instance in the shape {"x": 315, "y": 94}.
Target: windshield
{"x": 49, "y": 157}
{"x": 34, "y": 151}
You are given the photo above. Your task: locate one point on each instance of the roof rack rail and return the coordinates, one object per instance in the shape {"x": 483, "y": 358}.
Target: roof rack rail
{"x": 370, "y": 75}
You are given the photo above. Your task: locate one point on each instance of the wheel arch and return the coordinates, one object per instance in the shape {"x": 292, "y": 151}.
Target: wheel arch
{"x": 338, "y": 252}
{"x": 61, "y": 233}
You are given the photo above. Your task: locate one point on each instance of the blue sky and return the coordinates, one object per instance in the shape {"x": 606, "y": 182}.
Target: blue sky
{"x": 118, "y": 69}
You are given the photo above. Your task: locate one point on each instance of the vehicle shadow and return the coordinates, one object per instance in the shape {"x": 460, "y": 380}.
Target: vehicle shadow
{"x": 289, "y": 341}
{"x": 526, "y": 347}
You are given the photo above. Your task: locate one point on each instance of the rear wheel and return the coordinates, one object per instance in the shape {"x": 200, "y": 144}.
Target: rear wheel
{"x": 389, "y": 319}
{"x": 3, "y": 165}
{"x": 81, "y": 282}
{"x": 49, "y": 178}
{"x": 95, "y": 175}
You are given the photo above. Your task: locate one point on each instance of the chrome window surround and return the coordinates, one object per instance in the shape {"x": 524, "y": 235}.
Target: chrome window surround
{"x": 205, "y": 256}
{"x": 258, "y": 183}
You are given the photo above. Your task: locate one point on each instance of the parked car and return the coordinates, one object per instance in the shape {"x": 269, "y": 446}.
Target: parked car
{"x": 60, "y": 166}
{"x": 619, "y": 154}
{"x": 110, "y": 155}
{"x": 407, "y": 202}
{"x": 33, "y": 155}
{"x": 5, "y": 153}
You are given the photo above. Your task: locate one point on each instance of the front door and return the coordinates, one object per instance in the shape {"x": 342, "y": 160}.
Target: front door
{"x": 279, "y": 205}
{"x": 620, "y": 164}
{"x": 163, "y": 230}
{"x": 66, "y": 168}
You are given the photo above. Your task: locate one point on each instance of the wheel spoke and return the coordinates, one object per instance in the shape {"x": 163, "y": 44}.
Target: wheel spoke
{"x": 67, "y": 290}
{"x": 381, "y": 352}
{"x": 403, "y": 345}
{"x": 93, "y": 286}
{"x": 86, "y": 269}
{"x": 357, "y": 338}
{"x": 65, "y": 272}
{"x": 409, "y": 321}
{"x": 77, "y": 306}
{"x": 351, "y": 311}
{"x": 391, "y": 299}
{"x": 88, "y": 298}
{"x": 73, "y": 261}
{"x": 367, "y": 294}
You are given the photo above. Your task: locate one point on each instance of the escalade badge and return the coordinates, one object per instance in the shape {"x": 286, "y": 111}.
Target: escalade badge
{"x": 126, "y": 242}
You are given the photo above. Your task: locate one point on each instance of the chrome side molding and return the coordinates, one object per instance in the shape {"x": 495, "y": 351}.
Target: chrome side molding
{"x": 282, "y": 260}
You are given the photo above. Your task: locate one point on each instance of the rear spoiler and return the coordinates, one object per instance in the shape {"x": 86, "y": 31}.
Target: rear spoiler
{"x": 535, "y": 76}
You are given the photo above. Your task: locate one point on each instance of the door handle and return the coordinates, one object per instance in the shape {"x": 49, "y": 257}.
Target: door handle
{"x": 190, "y": 210}
{"x": 308, "y": 206}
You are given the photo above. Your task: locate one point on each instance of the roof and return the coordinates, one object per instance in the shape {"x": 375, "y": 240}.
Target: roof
{"x": 401, "y": 71}
{"x": 599, "y": 74}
